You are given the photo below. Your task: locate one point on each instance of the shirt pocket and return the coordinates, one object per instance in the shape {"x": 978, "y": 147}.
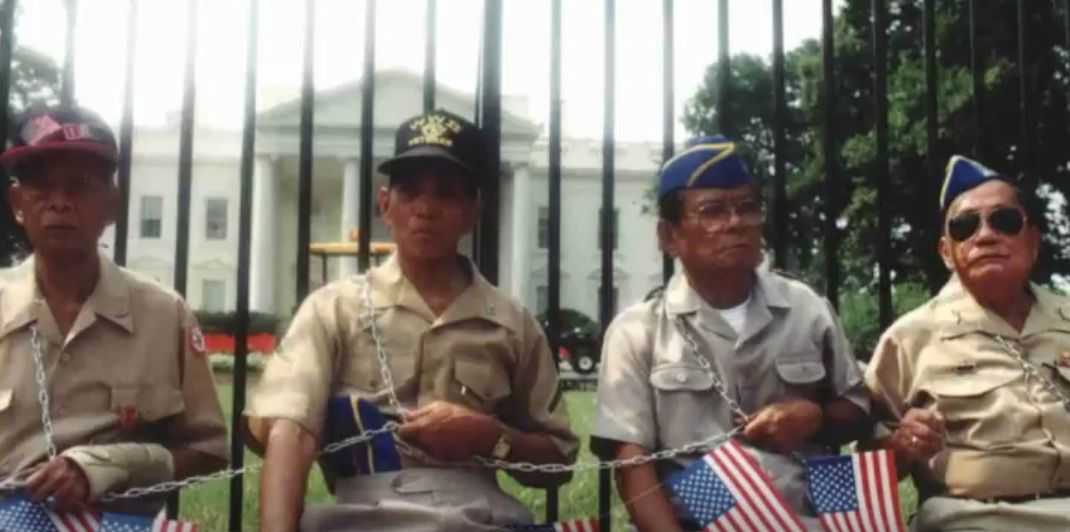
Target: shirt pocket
{"x": 145, "y": 404}
{"x": 801, "y": 376}
{"x": 687, "y": 408}
{"x": 478, "y": 384}
{"x": 978, "y": 409}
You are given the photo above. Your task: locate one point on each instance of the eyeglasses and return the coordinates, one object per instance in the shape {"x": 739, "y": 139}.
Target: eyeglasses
{"x": 1004, "y": 220}
{"x": 715, "y": 214}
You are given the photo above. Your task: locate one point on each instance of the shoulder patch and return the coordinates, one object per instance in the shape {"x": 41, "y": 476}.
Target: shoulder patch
{"x": 196, "y": 340}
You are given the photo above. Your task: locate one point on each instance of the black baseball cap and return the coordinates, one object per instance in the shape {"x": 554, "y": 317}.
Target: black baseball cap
{"x": 437, "y": 136}
{"x": 42, "y": 132}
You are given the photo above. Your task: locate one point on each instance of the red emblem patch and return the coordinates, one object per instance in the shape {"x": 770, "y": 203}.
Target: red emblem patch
{"x": 196, "y": 340}
{"x": 128, "y": 418}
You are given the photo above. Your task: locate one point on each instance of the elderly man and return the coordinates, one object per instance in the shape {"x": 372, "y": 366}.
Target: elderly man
{"x": 117, "y": 360}
{"x": 423, "y": 336}
{"x": 976, "y": 382}
{"x": 726, "y": 345}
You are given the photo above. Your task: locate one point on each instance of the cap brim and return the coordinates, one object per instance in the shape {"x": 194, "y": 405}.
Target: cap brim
{"x": 11, "y": 158}
{"x": 423, "y": 153}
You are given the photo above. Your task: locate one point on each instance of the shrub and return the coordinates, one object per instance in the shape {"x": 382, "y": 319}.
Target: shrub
{"x": 227, "y": 322}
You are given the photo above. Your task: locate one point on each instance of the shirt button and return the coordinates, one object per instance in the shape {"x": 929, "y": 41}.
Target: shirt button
{"x": 681, "y": 378}
{"x": 65, "y": 358}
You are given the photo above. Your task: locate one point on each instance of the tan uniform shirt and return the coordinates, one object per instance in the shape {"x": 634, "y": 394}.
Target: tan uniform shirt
{"x": 652, "y": 391}
{"x": 484, "y": 352}
{"x": 1006, "y": 434}
{"x": 129, "y": 370}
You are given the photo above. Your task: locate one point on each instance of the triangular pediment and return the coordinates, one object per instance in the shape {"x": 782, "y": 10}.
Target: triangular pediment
{"x": 398, "y": 96}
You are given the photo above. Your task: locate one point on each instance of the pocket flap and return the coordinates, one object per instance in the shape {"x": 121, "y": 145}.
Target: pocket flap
{"x": 800, "y": 371}
{"x": 5, "y": 399}
{"x": 480, "y": 379}
{"x": 680, "y": 377}
{"x": 953, "y": 382}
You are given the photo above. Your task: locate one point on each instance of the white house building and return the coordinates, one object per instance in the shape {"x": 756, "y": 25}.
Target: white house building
{"x": 523, "y": 207}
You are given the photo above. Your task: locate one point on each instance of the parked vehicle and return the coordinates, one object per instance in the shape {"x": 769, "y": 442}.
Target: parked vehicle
{"x": 579, "y": 340}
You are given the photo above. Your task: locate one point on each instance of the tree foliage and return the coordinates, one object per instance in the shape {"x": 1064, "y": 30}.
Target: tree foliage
{"x": 35, "y": 81}
{"x": 915, "y": 173}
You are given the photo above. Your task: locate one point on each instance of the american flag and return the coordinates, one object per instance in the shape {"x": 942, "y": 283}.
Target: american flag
{"x": 137, "y": 523}
{"x": 19, "y": 514}
{"x": 589, "y": 524}
{"x": 726, "y": 490}
{"x": 858, "y": 492}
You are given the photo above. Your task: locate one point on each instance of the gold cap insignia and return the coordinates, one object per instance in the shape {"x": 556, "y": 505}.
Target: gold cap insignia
{"x": 434, "y": 129}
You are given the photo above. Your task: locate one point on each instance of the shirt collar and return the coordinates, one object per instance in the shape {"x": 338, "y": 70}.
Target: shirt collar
{"x": 479, "y": 300}
{"x": 22, "y": 301}
{"x": 958, "y": 313}
{"x": 681, "y": 298}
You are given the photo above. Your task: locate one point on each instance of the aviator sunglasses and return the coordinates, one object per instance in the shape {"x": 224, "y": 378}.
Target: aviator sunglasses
{"x": 1004, "y": 220}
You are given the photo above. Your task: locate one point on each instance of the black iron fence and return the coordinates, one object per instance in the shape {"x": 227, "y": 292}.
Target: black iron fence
{"x": 489, "y": 117}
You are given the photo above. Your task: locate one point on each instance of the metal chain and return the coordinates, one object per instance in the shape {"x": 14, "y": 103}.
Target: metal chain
{"x": 1031, "y": 371}
{"x": 42, "y": 390}
{"x": 380, "y": 351}
{"x": 704, "y": 362}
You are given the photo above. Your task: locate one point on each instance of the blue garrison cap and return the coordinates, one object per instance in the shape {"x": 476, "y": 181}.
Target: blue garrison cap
{"x": 707, "y": 162}
{"x": 964, "y": 174}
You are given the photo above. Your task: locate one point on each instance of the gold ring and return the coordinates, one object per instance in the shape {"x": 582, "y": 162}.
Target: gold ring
{"x": 914, "y": 441}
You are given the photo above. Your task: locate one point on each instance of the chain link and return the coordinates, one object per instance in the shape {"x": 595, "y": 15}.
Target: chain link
{"x": 380, "y": 351}
{"x": 392, "y": 427}
{"x": 1031, "y": 370}
{"x": 42, "y": 390}
{"x": 704, "y": 362}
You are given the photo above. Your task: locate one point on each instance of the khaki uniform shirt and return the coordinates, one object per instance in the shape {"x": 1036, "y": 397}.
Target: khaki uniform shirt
{"x": 484, "y": 352}
{"x": 652, "y": 391}
{"x": 131, "y": 369}
{"x": 1006, "y": 434}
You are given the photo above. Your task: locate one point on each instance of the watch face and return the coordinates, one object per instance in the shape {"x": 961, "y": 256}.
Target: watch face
{"x": 501, "y": 448}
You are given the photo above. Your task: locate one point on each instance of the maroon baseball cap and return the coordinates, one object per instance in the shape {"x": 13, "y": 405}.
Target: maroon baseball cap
{"x": 44, "y": 132}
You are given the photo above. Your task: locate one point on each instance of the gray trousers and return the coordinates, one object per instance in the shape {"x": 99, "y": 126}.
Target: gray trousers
{"x": 950, "y": 514}
{"x": 417, "y": 500}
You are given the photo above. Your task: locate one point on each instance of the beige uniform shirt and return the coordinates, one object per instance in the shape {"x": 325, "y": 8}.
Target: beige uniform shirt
{"x": 484, "y": 352}
{"x": 131, "y": 369}
{"x": 652, "y": 391}
{"x": 1006, "y": 434}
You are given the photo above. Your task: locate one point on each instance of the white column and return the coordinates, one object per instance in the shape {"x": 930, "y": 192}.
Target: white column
{"x": 265, "y": 235}
{"x": 522, "y": 237}
{"x": 347, "y": 266}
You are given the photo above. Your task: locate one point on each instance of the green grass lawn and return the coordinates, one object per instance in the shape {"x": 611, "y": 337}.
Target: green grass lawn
{"x": 207, "y": 504}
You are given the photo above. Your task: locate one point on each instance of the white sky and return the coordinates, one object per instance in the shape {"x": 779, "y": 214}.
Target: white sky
{"x": 161, "y": 30}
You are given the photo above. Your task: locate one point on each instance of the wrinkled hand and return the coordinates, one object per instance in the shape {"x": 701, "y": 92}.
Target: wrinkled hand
{"x": 783, "y": 426}
{"x": 62, "y": 480}
{"x": 450, "y": 432}
{"x": 920, "y": 435}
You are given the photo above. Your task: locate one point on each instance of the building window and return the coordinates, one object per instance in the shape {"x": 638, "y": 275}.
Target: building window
{"x": 544, "y": 227}
{"x": 616, "y": 228}
{"x": 542, "y": 299}
{"x": 213, "y": 295}
{"x": 151, "y": 216}
{"x": 215, "y": 218}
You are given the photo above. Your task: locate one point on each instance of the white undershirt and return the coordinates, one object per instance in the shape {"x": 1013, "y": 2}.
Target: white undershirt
{"x": 736, "y": 316}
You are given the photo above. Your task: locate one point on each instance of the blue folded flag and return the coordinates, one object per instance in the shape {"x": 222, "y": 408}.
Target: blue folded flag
{"x": 348, "y": 417}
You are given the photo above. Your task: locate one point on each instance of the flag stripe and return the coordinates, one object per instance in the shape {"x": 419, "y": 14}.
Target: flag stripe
{"x": 889, "y": 461}
{"x": 725, "y": 468}
{"x": 772, "y": 504}
{"x": 888, "y": 503}
{"x": 864, "y": 492}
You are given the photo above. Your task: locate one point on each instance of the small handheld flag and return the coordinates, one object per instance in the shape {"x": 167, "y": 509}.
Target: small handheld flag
{"x": 857, "y": 492}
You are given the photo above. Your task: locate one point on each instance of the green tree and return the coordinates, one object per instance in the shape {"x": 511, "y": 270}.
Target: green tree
{"x": 914, "y": 187}
{"x": 35, "y": 81}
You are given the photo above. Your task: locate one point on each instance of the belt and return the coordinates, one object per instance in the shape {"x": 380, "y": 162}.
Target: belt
{"x": 1015, "y": 499}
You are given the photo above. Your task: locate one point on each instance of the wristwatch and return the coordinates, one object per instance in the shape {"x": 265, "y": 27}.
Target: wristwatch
{"x": 502, "y": 446}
